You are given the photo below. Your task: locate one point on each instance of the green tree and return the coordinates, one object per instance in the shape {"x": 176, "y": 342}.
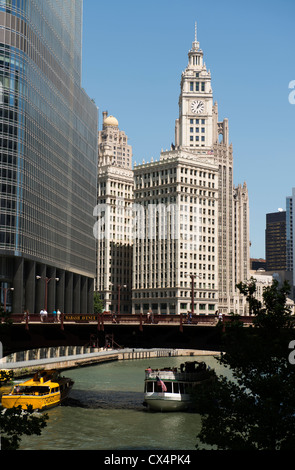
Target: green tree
{"x": 14, "y": 423}
{"x": 5, "y": 317}
{"x": 98, "y": 303}
{"x": 254, "y": 408}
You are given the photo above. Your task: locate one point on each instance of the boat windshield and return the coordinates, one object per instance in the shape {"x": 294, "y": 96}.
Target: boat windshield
{"x": 30, "y": 390}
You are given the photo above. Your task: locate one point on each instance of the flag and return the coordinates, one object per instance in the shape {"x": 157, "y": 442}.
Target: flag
{"x": 161, "y": 384}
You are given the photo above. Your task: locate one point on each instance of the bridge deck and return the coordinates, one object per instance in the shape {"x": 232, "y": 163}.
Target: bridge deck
{"x": 137, "y": 319}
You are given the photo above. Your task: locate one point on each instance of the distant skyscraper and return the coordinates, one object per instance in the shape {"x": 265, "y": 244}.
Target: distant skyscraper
{"x": 290, "y": 241}
{"x": 117, "y": 142}
{"x": 275, "y": 241}
{"x": 48, "y": 158}
{"x": 290, "y": 218}
{"x": 114, "y": 236}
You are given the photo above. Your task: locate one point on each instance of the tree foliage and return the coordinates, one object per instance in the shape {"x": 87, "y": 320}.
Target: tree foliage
{"x": 15, "y": 422}
{"x": 5, "y": 317}
{"x": 253, "y": 408}
{"x": 98, "y": 303}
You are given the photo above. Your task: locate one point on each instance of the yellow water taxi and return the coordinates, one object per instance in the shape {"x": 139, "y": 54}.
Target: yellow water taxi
{"x": 45, "y": 390}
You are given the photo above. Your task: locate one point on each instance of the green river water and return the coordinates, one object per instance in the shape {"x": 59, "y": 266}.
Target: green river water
{"x": 111, "y": 416}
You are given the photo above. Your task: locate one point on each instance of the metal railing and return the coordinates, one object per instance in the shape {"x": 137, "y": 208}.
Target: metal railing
{"x": 139, "y": 319}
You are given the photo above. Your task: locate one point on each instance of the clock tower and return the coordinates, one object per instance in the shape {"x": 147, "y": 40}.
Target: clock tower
{"x": 194, "y": 128}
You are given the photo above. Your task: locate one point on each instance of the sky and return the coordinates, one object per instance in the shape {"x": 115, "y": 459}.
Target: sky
{"x": 135, "y": 51}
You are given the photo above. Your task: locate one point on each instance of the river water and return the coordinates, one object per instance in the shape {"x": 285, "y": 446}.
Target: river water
{"x": 105, "y": 412}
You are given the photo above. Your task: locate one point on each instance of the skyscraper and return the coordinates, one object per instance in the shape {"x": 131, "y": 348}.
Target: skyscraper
{"x": 175, "y": 245}
{"x": 203, "y": 154}
{"x": 48, "y": 158}
{"x": 290, "y": 206}
{"x": 275, "y": 241}
{"x": 114, "y": 211}
{"x": 200, "y": 132}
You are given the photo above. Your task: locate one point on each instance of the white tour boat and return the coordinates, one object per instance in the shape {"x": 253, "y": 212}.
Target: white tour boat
{"x": 170, "y": 389}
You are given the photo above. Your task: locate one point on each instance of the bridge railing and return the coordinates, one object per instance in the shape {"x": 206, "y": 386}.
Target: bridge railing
{"x": 140, "y": 319}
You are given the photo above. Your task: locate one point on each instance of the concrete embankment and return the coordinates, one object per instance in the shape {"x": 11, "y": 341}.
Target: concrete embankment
{"x": 24, "y": 368}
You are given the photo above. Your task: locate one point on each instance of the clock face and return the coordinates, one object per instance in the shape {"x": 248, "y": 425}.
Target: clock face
{"x": 197, "y": 107}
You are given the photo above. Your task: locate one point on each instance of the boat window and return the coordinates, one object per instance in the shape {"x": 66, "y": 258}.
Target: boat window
{"x": 31, "y": 390}
{"x": 149, "y": 386}
{"x": 168, "y": 386}
{"x": 176, "y": 387}
{"x": 181, "y": 388}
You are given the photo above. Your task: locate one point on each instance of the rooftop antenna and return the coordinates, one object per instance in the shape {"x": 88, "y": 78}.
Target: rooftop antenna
{"x": 196, "y": 44}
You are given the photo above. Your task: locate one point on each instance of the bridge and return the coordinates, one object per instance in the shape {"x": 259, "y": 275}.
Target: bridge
{"x": 135, "y": 331}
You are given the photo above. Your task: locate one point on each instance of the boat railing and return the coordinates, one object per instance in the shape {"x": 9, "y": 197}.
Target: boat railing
{"x": 172, "y": 375}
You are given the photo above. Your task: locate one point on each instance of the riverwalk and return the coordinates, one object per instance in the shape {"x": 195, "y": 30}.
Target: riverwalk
{"x": 95, "y": 356}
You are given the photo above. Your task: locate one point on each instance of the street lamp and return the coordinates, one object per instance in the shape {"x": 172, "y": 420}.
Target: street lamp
{"x": 6, "y": 289}
{"x": 47, "y": 280}
{"x": 119, "y": 291}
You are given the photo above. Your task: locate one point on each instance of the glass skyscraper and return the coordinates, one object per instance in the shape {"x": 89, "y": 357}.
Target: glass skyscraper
{"x": 48, "y": 158}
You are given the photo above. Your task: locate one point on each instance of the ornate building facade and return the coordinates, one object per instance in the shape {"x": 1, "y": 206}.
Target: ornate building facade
{"x": 113, "y": 230}
{"x": 218, "y": 243}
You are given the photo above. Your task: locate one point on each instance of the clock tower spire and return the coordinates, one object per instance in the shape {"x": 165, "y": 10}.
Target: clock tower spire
{"x": 194, "y": 126}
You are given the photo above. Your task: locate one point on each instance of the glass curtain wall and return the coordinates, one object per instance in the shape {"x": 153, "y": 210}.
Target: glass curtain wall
{"x": 48, "y": 136}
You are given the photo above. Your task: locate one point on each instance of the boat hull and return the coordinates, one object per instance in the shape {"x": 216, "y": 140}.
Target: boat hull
{"x": 167, "y": 402}
{"x": 37, "y": 403}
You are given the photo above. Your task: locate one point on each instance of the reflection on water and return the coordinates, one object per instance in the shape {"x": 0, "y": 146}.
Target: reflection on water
{"x": 107, "y": 399}
{"x": 105, "y": 411}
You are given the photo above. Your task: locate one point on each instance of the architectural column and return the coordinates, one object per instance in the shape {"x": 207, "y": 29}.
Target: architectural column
{"x": 30, "y": 282}
{"x": 83, "y": 299}
{"x": 68, "y": 292}
{"x": 60, "y": 290}
{"x": 76, "y": 293}
{"x": 40, "y": 287}
{"x": 18, "y": 285}
{"x": 51, "y": 289}
{"x": 90, "y": 293}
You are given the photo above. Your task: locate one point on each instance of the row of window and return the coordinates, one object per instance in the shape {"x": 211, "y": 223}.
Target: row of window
{"x": 197, "y": 130}
{"x": 197, "y": 86}
{"x": 197, "y": 138}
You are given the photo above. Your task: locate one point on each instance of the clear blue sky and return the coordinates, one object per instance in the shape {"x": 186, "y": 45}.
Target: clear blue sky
{"x": 135, "y": 51}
